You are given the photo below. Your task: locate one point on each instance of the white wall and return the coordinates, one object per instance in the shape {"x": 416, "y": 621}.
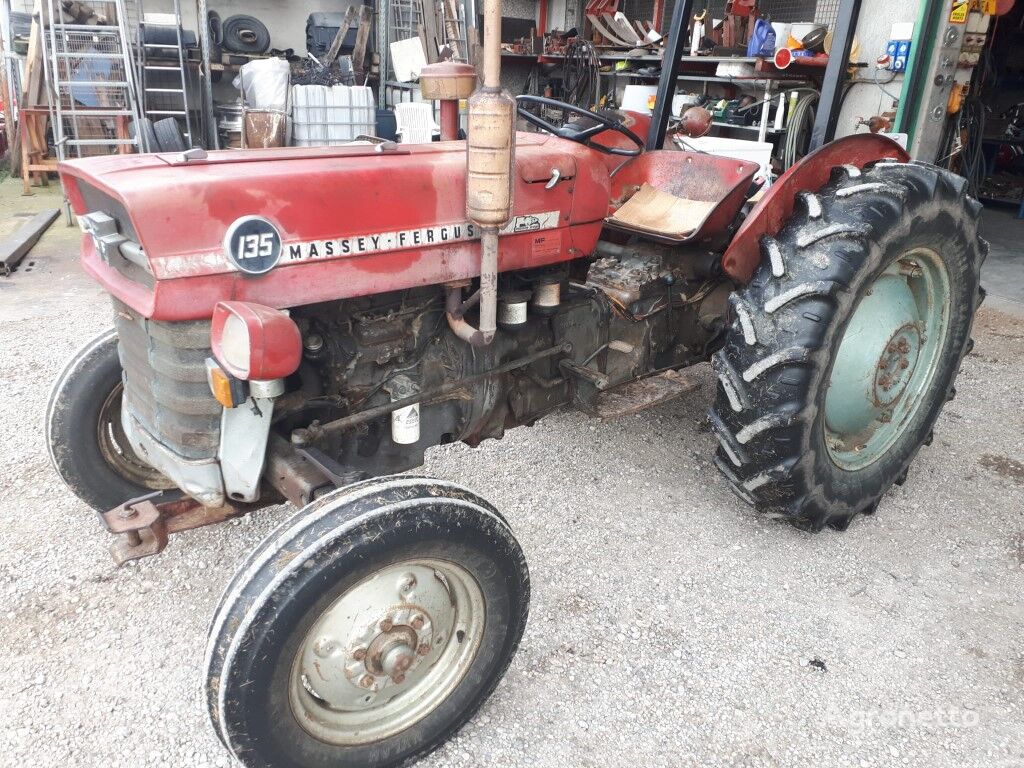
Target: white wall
{"x": 563, "y": 15}
{"x": 873, "y": 32}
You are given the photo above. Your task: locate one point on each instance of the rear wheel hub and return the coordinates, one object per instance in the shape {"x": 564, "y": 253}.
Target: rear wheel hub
{"x": 896, "y": 365}
{"x": 887, "y": 359}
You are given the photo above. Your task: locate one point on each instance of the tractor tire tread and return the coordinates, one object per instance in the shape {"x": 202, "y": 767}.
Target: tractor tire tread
{"x": 783, "y": 321}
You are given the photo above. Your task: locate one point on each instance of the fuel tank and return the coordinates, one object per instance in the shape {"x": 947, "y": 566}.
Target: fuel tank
{"x": 171, "y": 236}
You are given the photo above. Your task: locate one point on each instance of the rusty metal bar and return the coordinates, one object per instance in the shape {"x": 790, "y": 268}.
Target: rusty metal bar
{"x": 144, "y": 524}
{"x": 347, "y": 422}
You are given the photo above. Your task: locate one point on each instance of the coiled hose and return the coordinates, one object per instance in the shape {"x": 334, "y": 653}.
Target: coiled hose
{"x": 581, "y": 77}
{"x": 245, "y": 34}
{"x": 800, "y": 123}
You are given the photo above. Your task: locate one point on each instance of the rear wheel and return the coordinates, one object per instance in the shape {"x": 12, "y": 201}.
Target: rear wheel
{"x": 84, "y": 435}
{"x": 845, "y": 345}
{"x": 368, "y": 628}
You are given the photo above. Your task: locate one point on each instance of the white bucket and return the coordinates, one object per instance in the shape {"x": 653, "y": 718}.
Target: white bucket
{"x": 636, "y": 97}
{"x": 683, "y": 101}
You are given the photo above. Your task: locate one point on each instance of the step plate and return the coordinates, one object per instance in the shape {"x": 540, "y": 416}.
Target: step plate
{"x": 641, "y": 394}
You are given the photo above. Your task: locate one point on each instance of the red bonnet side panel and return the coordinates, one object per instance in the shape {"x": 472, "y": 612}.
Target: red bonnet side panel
{"x": 352, "y": 222}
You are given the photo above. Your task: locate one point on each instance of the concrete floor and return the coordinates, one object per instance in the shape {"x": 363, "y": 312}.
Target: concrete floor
{"x": 1003, "y": 273}
{"x": 669, "y": 626}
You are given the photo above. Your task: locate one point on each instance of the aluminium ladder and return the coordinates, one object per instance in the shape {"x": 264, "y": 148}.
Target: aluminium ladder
{"x": 163, "y": 72}
{"x": 91, "y": 81}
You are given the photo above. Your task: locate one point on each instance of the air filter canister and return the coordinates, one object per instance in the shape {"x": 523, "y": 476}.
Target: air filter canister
{"x": 547, "y": 296}
{"x": 512, "y": 308}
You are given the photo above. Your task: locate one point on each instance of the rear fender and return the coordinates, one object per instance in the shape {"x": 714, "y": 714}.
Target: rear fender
{"x": 809, "y": 175}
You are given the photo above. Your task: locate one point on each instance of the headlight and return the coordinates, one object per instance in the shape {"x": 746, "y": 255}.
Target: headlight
{"x": 254, "y": 342}
{"x": 234, "y": 352}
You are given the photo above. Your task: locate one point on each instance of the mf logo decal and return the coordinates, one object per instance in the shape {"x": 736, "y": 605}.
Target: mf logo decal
{"x": 253, "y": 244}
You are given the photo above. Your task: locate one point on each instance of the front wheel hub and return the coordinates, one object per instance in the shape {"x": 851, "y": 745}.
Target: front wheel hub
{"x": 387, "y": 648}
{"x": 387, "y": 652}
{"x": 887, "y": 358}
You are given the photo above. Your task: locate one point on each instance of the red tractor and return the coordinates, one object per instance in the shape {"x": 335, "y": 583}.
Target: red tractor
{"x": 302, "y": 324}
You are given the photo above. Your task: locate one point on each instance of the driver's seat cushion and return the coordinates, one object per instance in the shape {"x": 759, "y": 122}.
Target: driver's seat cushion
{"x": 652, "y": 211}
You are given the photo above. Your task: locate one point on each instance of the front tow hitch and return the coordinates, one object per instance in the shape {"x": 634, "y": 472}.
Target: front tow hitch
{"x": 144, "y": 524}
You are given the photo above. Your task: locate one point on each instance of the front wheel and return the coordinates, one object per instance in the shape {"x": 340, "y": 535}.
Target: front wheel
{"x": 846, "y": 344}
{"x": 368, "y": 628}
{"x": 84, "y": 436}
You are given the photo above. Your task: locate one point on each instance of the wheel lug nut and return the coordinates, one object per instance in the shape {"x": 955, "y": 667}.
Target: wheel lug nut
{"x": 386, "y": 625}
{"x": 423, "y": 649}
{"x": 324, "y": 647}
{"x": 366, "y": 681}
{"x": 398, "y": 677}
{"x": 417, "y": 623}
{"x": 359, "y": 654}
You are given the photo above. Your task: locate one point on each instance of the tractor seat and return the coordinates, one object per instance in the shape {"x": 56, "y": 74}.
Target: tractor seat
{"x": 675, "y": 197}
{"x": 653, "y": 211}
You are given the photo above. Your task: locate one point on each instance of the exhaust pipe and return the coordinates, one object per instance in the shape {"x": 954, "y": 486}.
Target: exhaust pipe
{"x": 490, "y": 153}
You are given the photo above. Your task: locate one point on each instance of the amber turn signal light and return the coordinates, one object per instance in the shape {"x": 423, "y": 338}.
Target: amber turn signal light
{"x": 227, "y": 390}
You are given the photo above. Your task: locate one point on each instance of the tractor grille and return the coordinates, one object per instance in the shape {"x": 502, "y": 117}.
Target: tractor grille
{"x": 165, "y": 381}
{"x": 96, "y": 201}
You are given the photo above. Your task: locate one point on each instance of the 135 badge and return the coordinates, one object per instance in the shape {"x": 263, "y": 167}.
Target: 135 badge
{"x": 253, "y": 244}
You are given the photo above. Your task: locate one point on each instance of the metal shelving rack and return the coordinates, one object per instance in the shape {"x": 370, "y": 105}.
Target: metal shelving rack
{"x": 89, "y": 63}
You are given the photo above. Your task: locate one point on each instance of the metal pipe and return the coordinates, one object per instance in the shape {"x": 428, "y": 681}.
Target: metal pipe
{"x": 487, "y": 296}
{"x": 489, "y": 159}
{"x": 347, "y": 422}
{"x": 492, "y": 44}
{"x": 449, "y": 119}
{"x": 489, "y": 282}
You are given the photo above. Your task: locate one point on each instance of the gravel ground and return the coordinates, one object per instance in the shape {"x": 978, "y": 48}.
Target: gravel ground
{"x": 669, "y": 626}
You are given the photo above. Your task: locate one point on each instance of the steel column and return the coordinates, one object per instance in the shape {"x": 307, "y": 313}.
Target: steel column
{"x": 205, "y": 75}
{"x": 671, "y": 64}
{"x": 827, "y": 117}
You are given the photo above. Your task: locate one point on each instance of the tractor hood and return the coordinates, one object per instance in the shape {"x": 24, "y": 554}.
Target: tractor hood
{"x": 367, "y": 220}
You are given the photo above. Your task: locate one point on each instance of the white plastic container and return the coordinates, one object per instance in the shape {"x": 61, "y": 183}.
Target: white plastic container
{"x": 682, "y": 102}
{"x": 636, "y": 98}
{"x": 759, "y": 152}
{"x": 328, "y": 116}
{"x": 782, "y": 31}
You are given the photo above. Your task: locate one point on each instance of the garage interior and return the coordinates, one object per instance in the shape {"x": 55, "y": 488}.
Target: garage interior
{"x": 669, "y": 627}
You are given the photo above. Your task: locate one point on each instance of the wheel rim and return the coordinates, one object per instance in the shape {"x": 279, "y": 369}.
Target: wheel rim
{"x": 116, "y": 449}
{"x": 887, "y": 359}
{"x": 387, "y": 653}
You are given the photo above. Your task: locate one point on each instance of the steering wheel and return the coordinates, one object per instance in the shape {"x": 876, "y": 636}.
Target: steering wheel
{"x": 584, "y": 135}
